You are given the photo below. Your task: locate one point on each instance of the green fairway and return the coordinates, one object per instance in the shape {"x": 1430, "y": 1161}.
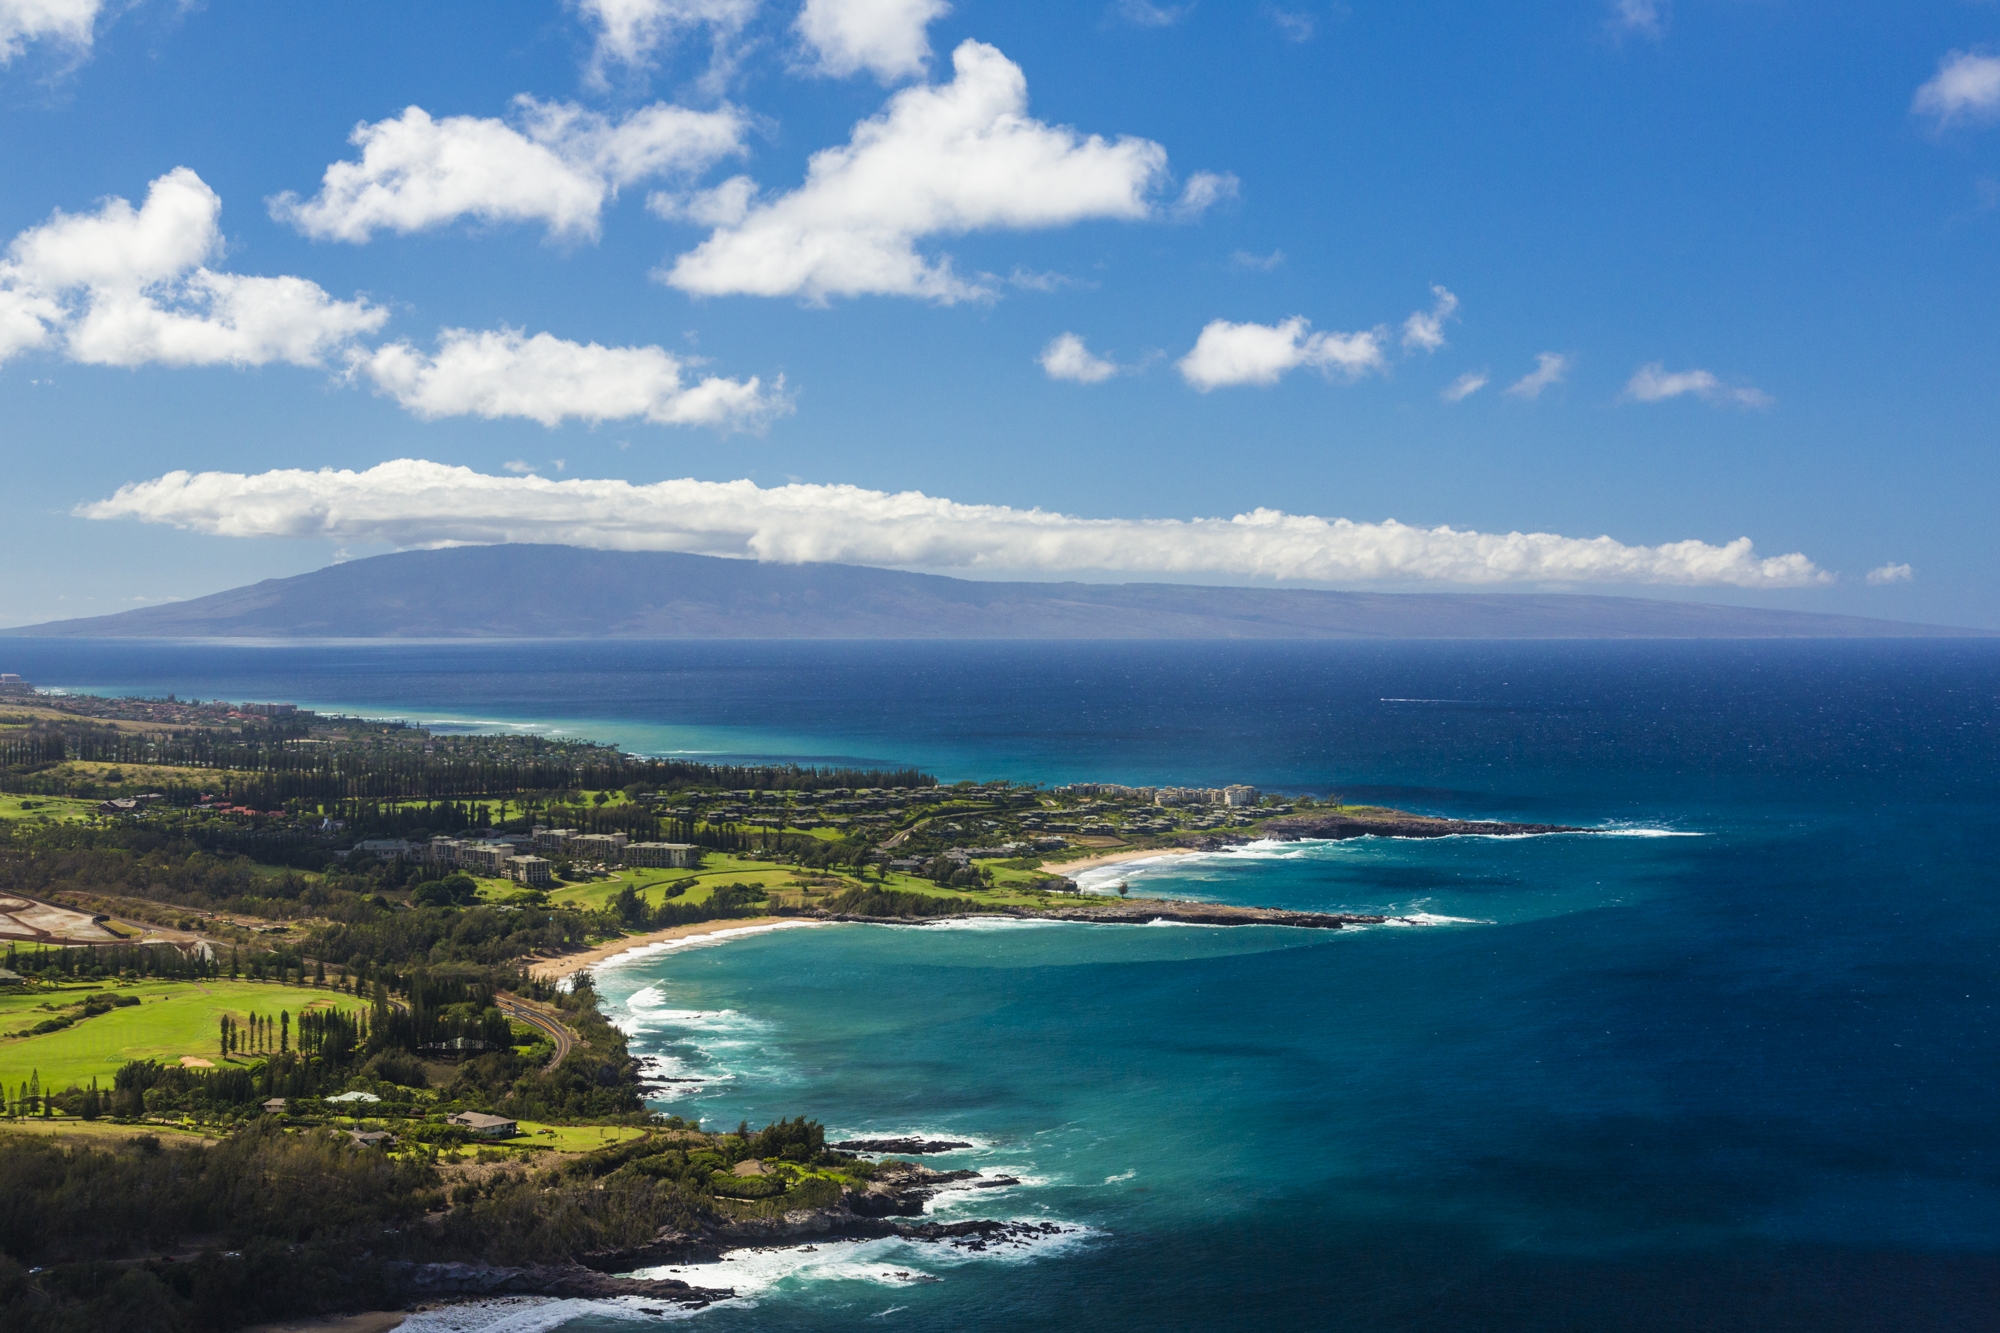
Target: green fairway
{"x": 172, "y": 1019}
{"x": 717, "y": 868}
{"x": 55, "y": 809}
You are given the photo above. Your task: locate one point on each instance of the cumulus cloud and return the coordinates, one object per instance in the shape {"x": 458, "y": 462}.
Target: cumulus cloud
{"x": 411, "y": 502}
{"x": 557, "y": 164}
{"x": 1425, "y": 328}
{"x": 125, "y": 287}
{"x": 1550, "y": 368}
{"x": 547, "y": 379}
{"x": 1966, "y": 87}
{"x": 1462, "y": 388}
{"x": 939, "y": 160}
{"x": 631, "y": 32}
{"x": 1066, "y": 358}
{"x": 1891, "y": 574}
{"x": 1230, "y": 354}
{"x": 1648, "y": 18}
{"x": 885, "y": 37}
{"x": 68, "y": 23}
{"x": 1655, "y": 384}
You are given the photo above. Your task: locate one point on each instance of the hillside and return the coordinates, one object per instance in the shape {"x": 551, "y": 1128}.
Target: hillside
{"x": 483, "y": 592}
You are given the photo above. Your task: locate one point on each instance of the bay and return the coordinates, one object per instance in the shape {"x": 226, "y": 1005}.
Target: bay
{"x": 1732, "y": 1066}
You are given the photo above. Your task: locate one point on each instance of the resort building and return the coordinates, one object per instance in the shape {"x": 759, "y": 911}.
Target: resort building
{"x": 606, "y": 847}
{"x": 552, "y": 841}
{"x": 532, "y": 871}
{"x": 489, "y": 858}
{"x": 663, "y": 855}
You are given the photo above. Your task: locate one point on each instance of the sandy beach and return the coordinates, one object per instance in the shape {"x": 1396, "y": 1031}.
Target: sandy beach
{"x": 1114, "y": 858}
{"x": 372, "y": 1321}
{"x": 552, "y": 969}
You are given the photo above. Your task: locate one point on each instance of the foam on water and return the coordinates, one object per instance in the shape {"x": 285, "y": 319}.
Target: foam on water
{"x": 641, "y": 953}
{"x": 889, "y": 1261}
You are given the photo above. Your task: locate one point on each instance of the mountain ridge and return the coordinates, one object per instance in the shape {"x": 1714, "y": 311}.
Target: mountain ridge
{"x": 537, "y": 592}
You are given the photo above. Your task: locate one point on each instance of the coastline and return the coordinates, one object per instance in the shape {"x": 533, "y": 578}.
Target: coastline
{"x": 555, "y": 969}
{"x": 1116, "y": 858}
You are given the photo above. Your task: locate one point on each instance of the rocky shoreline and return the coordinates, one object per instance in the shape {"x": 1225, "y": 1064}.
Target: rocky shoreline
{"x": 899, "y": 1190}
{"x": 1341, "y": 826}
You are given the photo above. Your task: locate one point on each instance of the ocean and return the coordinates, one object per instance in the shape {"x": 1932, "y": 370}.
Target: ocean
{"x": 1729, "y": 1064}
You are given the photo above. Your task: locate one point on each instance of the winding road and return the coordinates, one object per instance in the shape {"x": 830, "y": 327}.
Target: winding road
{"x": 564, "y": 1039}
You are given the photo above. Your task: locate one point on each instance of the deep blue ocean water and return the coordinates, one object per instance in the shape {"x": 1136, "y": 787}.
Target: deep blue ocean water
{"x": 1734, "y": 1067}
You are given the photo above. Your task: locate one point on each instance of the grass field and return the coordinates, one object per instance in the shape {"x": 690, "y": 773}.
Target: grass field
{"x": 717, "y": 868}
{"x": 54, "y": 809}
{"x": 172, "y": 1019}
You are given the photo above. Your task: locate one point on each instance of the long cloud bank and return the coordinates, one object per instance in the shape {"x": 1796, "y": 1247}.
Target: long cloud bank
{"x": 412, "y": 502}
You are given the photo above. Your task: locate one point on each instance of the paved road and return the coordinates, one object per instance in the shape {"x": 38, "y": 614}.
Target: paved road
{"x": 564, "y": 1039}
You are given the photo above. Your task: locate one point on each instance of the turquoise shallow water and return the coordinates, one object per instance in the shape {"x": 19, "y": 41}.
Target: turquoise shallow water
{"x": 1740, "y": 1080}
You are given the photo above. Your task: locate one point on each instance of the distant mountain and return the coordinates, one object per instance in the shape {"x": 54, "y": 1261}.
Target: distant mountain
{"x": 562, "y": 592}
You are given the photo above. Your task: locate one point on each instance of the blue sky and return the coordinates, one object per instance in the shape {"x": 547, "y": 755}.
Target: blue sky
{"x": 1749, "y": 244}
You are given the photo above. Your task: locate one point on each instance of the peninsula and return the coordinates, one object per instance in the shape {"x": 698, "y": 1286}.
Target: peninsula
{"x": 254, "y": 952}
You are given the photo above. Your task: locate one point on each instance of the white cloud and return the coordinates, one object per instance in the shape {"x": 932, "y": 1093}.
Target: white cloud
{"x": 1890, "y": 574}
{"x": 1204, "y": 190}
{"x": 1066, "y": 358}
{"x": 1966, "y": 87}
{"x": 1425, "y": 328}
{"x": 558, "y": 166}
{"x": 1654, "y": 384}
{"x": 1646, "y": 17}
{"x": 411, "y": 502}
{"x": 631, "y": 32}
{"x": 519, "y": 466}
{"x": 885, "y": 37}
{"x": 1243, "y": 259}
{"x": 1293, "y": 25}
{"x": 1550, "y": 368}
{"x": 1462, "y": 388}
{"x": 1145, "y": 14}
{"x": 546, "y": 379}
{"x": 1229, "y": 354}
{"x": 126, "y": 287}
{"x": 939, "y": 160}
{"x": 67, "y": 23}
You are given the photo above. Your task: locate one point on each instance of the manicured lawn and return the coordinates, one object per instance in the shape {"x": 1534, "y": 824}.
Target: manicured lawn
{"x": 716, "y": 869}
{"x": 569, "y": 1138}
{"x": 56, "y": 809}
{"x": 173, "y": 1018}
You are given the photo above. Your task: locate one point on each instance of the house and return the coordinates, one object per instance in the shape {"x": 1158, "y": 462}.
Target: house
{"x": 385, "y": 848}
{"x": 532, "y": 871}
{"x": 354, "y": 1097}
{"x": 122, "y": 805}
{"x": 371, "y": 1138}
{"x": 9, "y": 977}
{"x": 663, "y": 855}
{"x": 276, "y": 1106}
{"x": 484, "y": 1125}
